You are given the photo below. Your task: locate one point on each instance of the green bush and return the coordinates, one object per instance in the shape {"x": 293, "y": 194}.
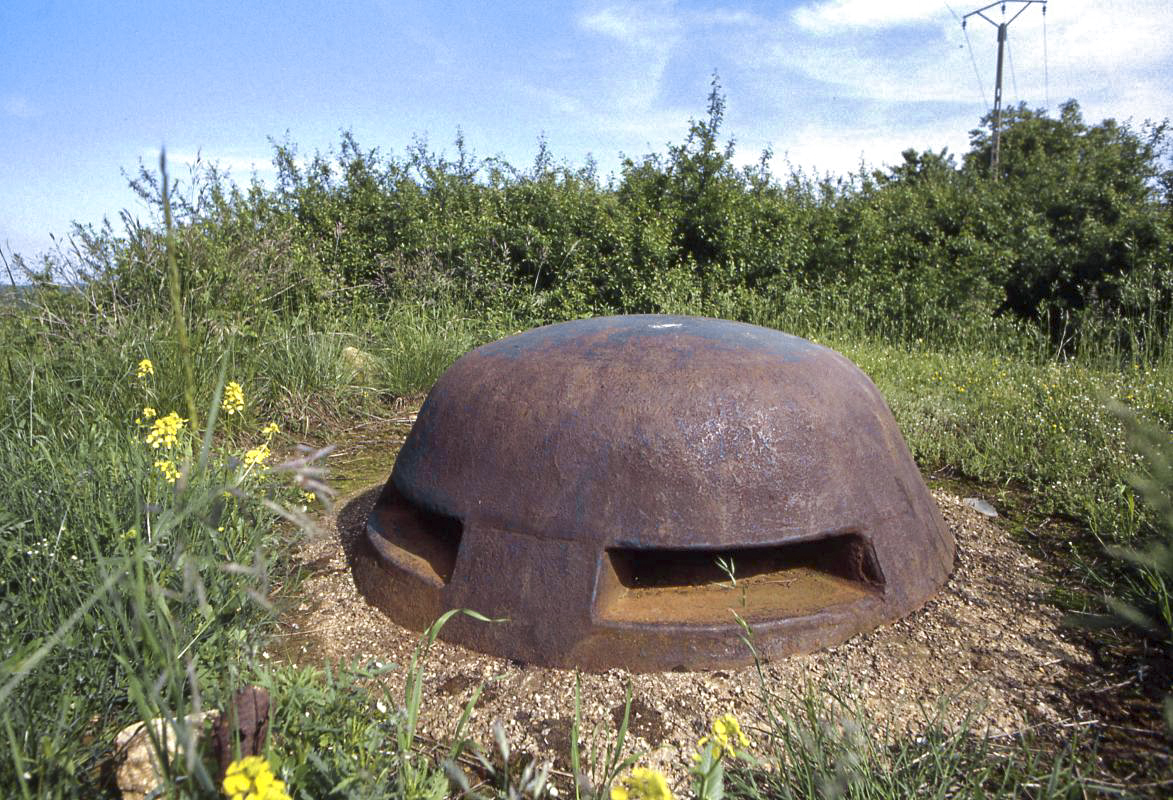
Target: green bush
{"x": 1076, "y": 230}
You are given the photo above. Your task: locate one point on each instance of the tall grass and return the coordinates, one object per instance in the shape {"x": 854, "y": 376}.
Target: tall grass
{"x": 130, "y": 598}
{"x": 118, "y": 604}
{"x": 129, "y": 625}
{"x": 819, "y": 745}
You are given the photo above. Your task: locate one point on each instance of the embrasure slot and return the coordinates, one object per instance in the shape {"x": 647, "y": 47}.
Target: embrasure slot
{"x": 679, "y": 586}
{"x": 423, "y": 542}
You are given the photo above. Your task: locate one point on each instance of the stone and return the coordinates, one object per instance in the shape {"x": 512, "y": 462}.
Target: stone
{"x": 139, "y": 773}
{"x": 981, "y": 506}
{"x": 362, "y": 366}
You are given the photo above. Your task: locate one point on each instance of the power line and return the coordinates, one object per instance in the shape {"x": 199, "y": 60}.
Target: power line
{"x": 1010, "y": 59}
{"x": 1002, "y": 36}
{"x": 977, "y": 73}
{"x": 969, "y": 46}
{"x": 1046, "y": 75}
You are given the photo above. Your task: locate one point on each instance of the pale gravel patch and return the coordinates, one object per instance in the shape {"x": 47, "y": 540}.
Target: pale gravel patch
{"x": 988, "y": 649}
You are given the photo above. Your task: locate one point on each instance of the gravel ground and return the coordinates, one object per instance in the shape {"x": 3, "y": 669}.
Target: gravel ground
{"x": 988, "y": 649}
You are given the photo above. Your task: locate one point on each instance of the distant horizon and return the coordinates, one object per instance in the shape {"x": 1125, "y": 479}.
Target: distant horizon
{"x": 89, "y": 90}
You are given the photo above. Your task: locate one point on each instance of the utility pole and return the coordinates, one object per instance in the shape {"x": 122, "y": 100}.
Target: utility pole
{"x": 1002, "y": 29}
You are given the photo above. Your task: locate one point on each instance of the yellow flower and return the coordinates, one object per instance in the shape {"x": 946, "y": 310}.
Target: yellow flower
{"x": 145, "y": 369}
{"x": 308, "y": 497}
{"x": 270, "y": 429}
{"x": 257, "y": 456}
{"x": 149, "y": 413}
{"x": 233, "y": 402}
{"x": 167, "y": 467}
{"x": 642, "y": 784}
{"x": 727, "y": 733}
{"x": 252, "y": 778}
{"x": 164, "y": 431}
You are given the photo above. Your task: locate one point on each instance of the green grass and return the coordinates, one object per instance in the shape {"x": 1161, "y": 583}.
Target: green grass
{"x": 820, "y": 746}
{"x": 1046, "y": 427}
{"x": 104, "y": 627}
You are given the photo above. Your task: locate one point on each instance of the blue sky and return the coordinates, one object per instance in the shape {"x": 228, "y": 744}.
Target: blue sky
{"x": 87, "y": 89}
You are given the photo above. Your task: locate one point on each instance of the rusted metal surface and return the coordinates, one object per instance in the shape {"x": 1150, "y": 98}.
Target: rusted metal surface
{"x": 594, "y": 482}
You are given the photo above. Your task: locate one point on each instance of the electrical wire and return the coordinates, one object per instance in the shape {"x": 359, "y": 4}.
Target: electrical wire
{"x": 1010, "y": 58}
{"x": 1046, "y": 76}
{"x": 977, "y": 73}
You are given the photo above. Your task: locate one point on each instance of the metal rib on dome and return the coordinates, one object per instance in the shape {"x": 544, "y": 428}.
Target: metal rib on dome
{"x": 594, "y": 482}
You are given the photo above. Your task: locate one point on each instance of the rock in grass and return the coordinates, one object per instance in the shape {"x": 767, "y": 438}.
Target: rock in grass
{"x": 139, "y": 772}
{"x": 981, "y": 506}
{"x": 361, "y": 366}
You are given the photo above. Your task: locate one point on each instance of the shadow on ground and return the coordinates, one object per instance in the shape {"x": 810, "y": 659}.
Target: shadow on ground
{"x": 369, "y": 577}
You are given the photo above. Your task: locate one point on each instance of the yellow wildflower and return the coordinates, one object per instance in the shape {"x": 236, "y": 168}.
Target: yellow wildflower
{"x": 642, "y": 784}
{"x": 164, "y": 431}
{"x": 252, "y": 778}
{"x": 145, "y": 369}
{"x": 148, "y": 414}
{"x": 308, "y": 497}
{"x": 257, "y": 456}
{"x": 727, "y": 733}
{"x": 270, "y": 429}
{"x": 233, "y": 402}
{"x": 167, "y": 467}
{"x": 727, "y": 737}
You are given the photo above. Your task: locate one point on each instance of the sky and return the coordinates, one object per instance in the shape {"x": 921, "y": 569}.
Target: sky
{"x": 89, "y": 90}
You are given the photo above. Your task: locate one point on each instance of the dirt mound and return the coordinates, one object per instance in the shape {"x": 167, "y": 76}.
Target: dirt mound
{"x": 988, "y": 648}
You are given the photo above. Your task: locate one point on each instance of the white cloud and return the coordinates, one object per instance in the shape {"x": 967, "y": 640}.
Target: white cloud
{"x": 833, "y": 16}
{"x": 837, "y": 81}
{"x": 839, "y": 150}
{"x": 938, "y": 71}
{"x": 1136, "y": 34}
{"x": 181, "y": 163}
{"x": 648, "y": 33}
{"x": 629, "y": 98}
{"x": 1083, "y": 49}
{"x": 650, "y": 27}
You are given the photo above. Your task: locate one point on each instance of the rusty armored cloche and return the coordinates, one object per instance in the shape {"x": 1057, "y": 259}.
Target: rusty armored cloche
{"x": 619, "y": 488}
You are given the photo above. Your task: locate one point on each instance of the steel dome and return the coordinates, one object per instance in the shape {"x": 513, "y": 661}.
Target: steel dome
{"x": 619, "y": 488}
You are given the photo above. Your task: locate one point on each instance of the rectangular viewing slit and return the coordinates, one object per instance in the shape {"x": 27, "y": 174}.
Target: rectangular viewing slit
{"x": 420, "y": 541}
{"x": 676, "y": 586}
